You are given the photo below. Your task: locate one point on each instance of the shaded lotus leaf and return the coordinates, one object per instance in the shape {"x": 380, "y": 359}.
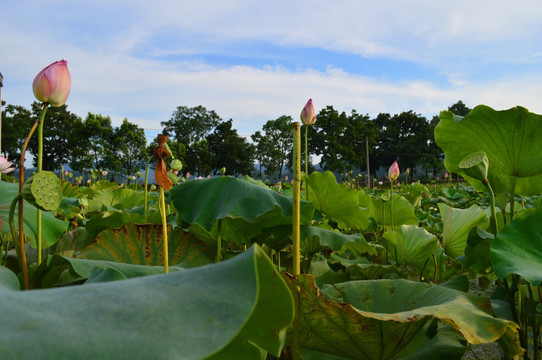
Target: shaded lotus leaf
{"x": 336, "y": 240}
{"x": 142, "y": 245}
{"x": 412, "y": 245}
{"x": 240, "y": 306}
{"x": 414, "y": 193}
{"x": 241, "y": 208}
{"x": 377, "y": 319}
{"x": 336, "y": 201}
{"x": 115, "y": 219}
{"x": 457, "y": 223}
{"x": 323, "y": 274}
{"x": 477, "y": 253}
{"x": 115, "y": 198}
{"x": 517, "y": 249}
{"x": 71, "y": 243}
{"x": 511, "y": 139}
{"x": 403, "y": 211}
{"x": 373, "y": 271}
{"x": 52, "y": 228}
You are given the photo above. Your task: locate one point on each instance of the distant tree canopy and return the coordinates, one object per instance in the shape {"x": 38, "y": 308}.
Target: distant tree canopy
{"x": 205, "y": 143}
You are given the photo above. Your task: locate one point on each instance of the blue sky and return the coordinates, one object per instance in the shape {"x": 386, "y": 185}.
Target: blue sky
{"x": 254, "y": 61}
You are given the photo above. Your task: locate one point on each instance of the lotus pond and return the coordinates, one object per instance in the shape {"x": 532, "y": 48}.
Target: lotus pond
{"x": 411, "y": 271}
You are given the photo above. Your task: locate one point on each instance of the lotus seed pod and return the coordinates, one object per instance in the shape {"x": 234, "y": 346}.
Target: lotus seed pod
{"x": 43, "y": 190}
{"x": 476, "y": 166}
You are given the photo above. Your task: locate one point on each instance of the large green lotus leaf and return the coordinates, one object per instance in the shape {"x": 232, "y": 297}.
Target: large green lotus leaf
{"x": 142, "y": 244}
{"x": 240, "y": 306}
{"x": 52, "y": 228}
{"x": 456, "y": 226}
{"x": 517, "y": 249}
{"x": 323, "y": 274}
{"x": 377, "y": 319}
{"x": 412, "y": 245}
{"x": 403, "y": 211}
{"x": 336, "y": 201}
{"x": 8, "y": 279}
{"x": 242, "y": 208}
{"x": 115, "y": 198}
{"x": 117, "y": 218}
{"x": 512, "y": 140}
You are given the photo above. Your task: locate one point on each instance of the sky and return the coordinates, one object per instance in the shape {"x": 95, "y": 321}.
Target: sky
{"x": 253, "y": 61}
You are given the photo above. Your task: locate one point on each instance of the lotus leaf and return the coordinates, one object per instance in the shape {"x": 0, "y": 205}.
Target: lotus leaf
{"x": 457, "y": 224}
{"x": 240, "y": 306}
{"x": 511, "y": 139}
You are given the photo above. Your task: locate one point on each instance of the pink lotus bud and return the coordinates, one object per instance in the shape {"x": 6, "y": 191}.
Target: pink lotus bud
{"x": 187, "y": 175}
{"x": 393, "y": 171}
{"x": 104, "y": 173}
{"x": 308, "y": 116}
{"x": 407, "y": 171}
{"x": 52, "y": 84}
{"x": 175, "y": 172}
{"x": 446, "y": 175}
{"x": 133, "y": 177}
{"x": 5, "y": 165}
{"x": 286, "y": 178}
{"x": 209, "y": 176}
{"x": 66, "y": 173}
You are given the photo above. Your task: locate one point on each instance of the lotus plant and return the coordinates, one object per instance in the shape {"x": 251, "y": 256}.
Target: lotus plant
{"x": 393, "y": 174}
{"x": 52, "y": 87}
{"x": 308, "y": 117}
{"x": 160, "y": 175}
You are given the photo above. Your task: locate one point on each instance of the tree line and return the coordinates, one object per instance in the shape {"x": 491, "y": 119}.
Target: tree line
{"x": 205, "y": 143}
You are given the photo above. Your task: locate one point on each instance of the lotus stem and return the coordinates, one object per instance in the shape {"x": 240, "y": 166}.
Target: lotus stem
{"x": 296, "y": 210}
{"x": 40, "y": 168}
{"x": 219, "y": 242}
{"x": 391, "y": 205}
{"x": 495, "y": 226}
{"x": 145, "y": 191}
{"x": 306, "y": 163}
{"x": 164, "y": 230}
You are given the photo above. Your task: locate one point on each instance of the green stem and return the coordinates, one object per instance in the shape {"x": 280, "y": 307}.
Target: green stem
{"x": 40, "y": 168}
{"x": 22, "y": 262}
{"x": 512, "y": 205}
{"x": 164, "y": 230}
{"x": 296, "y": 236}
{"x": 534, "y": 325}
{"x": 145, "y": 190}
{"x": 495, "y": 226}
{"x": 306, "y": 163}
{"x": 219, "y": 242}
{"x": 391, "y": 205}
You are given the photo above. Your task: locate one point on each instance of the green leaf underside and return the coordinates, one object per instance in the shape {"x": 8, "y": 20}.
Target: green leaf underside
{"x": 241, "y": 304}
{"x": 512, "y": 140}
{"x": 376, "y": 319}
{"x": 142, "y": 244}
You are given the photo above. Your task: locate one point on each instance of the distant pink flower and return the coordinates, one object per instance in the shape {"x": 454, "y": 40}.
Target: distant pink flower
{"x": 52, "y": 84}
{"x": 393, "y": 171}
{"x": 5, "y": 165}
{"x": 187, "y": 175}
{"x": 446, "y": 175}
{"x": 209, "y": 176}
{"x": 199, "y": 177}
{"x": 286, "y": 178}
{"x": 175, "y": 172}
{"x": 104, "y": 173}
{"x": 407, "y": 171}
{"x": 133, "y": 177}
{"x": 79, "y": 181}
{"x": 66, "y": 173}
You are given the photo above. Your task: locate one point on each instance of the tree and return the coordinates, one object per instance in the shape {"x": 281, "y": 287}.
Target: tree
{"x": 129, "y": 151}
{"x": 340, "y": 139}
{"x": 56, "y": 136}
{"x": 262, "y": 147}
{"x": 91, "y": 141}
{"x": 190, "y": 124}
{"x": 403, "y": 137}
{"x": 230, "y": 150}
{"x": 199, "y": 160}
{"x": 16, "y": 124}
{"x": 459, "y": 108}
{"x": 279, "y": 142}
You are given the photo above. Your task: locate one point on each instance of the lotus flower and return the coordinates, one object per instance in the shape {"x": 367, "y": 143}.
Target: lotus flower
{"x": 308, "y": 116}
{"x": 5, "y": 165}
{"x": 104, "y": 173}
{"x": 52, "y": 84}
{"x": 393, "y": 171}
